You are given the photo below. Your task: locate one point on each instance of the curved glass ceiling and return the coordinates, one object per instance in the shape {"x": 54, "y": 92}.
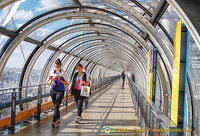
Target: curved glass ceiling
{"x": 81, "y": 32}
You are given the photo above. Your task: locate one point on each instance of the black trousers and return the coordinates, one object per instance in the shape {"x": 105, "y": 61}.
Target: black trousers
{"x": 123, "y": 80}
{"x": 57, "y": 96}
{"x": 79, "y": 101}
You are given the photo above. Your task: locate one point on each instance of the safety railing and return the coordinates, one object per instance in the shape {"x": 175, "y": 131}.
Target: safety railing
{"x": 151, "y": 119}
{"x": 40, "y": 101}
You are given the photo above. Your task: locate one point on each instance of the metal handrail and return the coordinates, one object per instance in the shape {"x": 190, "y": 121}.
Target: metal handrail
{"x": 150, "y": 110}
{"x": 15, "y": 102}
{"x": 22, "y": 87}
{"x": 29, "y": 99}
{"x": 33, "y": 86}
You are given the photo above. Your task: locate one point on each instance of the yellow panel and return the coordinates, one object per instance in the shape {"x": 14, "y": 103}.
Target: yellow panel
{"x": 150, "y": 75}
{"x": 176, "y": 71}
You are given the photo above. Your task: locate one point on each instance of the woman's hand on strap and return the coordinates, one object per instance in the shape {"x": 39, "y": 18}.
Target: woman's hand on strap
{"x": 58, "y": 78}
{"x": 85, "y": 83}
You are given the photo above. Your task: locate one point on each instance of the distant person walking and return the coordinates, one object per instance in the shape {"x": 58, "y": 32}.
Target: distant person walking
{"x": 123, "y": 79}
{"x": 90, "y": 85}
{"x": 78, "y": 80}
{"x": 58, "y": 80}
{"x": 133, "y": 76}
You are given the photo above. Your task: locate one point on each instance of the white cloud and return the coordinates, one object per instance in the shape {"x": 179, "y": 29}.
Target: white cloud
{"x": 23, "y": 15}
{"x": 40, "y": 33}
{"x": 49, "y": 4}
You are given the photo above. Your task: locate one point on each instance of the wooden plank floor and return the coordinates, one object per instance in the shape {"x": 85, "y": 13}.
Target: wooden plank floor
{"x": 112, "y": 107}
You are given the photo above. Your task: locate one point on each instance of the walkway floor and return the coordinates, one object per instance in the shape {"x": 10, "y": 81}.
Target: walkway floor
{"x": 112, "y": 107}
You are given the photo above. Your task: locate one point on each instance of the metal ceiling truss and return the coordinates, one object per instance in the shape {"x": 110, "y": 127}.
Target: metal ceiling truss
{"x": 163, "y": 47}
{"x": 74, "y": 43}
{"x": 29, "y": 31}
{"x": 84, "y": 57}
{"x": 38, "y": 24}
{"x": 125, "y": 53}
{"x": 58, "y": 36}
{"x": 42, "y": 22}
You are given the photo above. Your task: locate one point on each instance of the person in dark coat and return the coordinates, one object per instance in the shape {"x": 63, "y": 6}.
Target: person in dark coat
{"x": 78, "y": 80}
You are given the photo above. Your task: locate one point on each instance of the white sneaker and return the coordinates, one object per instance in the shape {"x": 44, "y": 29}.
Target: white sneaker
{"x": 77, "y": 119}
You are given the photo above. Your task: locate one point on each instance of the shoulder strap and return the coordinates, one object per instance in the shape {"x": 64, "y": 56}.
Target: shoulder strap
{"x": 84, "y": 76}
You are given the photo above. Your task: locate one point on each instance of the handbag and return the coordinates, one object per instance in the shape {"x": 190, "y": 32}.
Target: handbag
{"x": 85, "y": 91}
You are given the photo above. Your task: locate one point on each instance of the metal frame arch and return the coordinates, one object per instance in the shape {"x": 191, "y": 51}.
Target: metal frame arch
{"x": 164, "y": 49}
{"x": 138, "y": 63}
{"x": 92, "y": 67}
{"x": 93, "y": 42}
{"x": 5, "y": 3}
{"x": 129, "y": 51}
{"x": 46, "y": 23}
{"x": 96, "y": 54}
{"x": 89, "y": 67}
{"x": 188, "y": 23}
{"x": 90, "y": 52}
{"x": 66, "y": 59}
{"x": 50, "y": 66}
{"x": 97, "y": 51}
{"x": 98, "y": 44}
{"x": 130, "y": 54}
{"x": 94, "y": 46}
{"x": 140, "y": 68}
{"x": 57, "y": 37}
{"x": 79, "y": 40}
{"x": 112, "y": 33}
{"x": 103, "y": 30}
{"x": 91, "y": 38}
{"x": 27, "y": 31}
{"x": 121, "y": 60}
{"x": 143, "y": 62}
{"x": 74, "y": 8}
{"x": 68, "y": 66}
{"x": 131, "y": 12}
{"x": 105, "y": 52}
{"x": 78, "y": 24}
{"x": 102, "y": 58}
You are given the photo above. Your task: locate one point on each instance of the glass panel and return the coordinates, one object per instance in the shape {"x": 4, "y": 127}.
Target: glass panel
{"x": 103, "y": 5}
{"x": 194, "y": 70}
{"x": 34, "y": 78}
{"x": 72, "y": 67}
{"x": 165, "y": 37}
{"x": 151, "y": 5}
{"x": 18, "y": 13}
{"x": 188, "y": 122}
{"x": 12, "y": 71}
{"x": 90, "y": 66}
{"x": 158, "y": 92}
{"x": 71, "y": 47}
{"x": 65, "y": 65}
{"x": 169, "y": 19}
{"x": 60, "y": 41}
{"x": 133, "y": 5}
{"x": 3, "y": 40}
{"x": 44, "y": 31}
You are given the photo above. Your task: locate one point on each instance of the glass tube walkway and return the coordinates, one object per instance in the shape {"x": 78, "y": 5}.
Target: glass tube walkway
{"x": 111, "y": 108}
